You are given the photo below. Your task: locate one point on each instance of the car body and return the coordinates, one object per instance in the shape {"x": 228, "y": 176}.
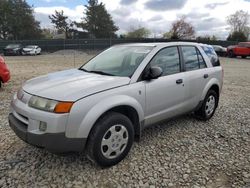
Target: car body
{"x": 4, "y": 72}
{"x": 220, "y": 51}
{"x": 13, "y": 49}
{"x": 31, "y": 50}
{"x": 106, "y": 103}
{"x": 242, "y": 49}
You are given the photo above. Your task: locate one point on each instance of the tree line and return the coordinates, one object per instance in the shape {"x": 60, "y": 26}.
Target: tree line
{"x": 17, "y": 22}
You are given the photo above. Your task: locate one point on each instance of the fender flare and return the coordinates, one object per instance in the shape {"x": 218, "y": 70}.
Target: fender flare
{"x": 103, "y": 106}
{"x": 211, "y": 82}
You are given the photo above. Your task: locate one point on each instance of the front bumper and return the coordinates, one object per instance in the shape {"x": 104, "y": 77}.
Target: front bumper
{"x": 6, "y": 76}
{"x": 25, "y": 121}
{"x": 54, "y": 142}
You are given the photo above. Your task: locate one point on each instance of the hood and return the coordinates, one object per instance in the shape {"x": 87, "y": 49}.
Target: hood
{"x": 71, "y": 85}
{"x": 28, "y": 49}
{"x": 232, "y": 46}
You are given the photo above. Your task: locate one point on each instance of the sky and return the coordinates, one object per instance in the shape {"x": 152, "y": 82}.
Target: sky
{"x": 207, "y": 16}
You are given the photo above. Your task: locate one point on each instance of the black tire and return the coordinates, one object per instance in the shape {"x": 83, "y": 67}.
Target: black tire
{"x": 243, "y": 57}
{"x": 94, "y": 145}
{"x": 201, "y": 113}
{"x": 231, "y": 54}
{"x": 0, "y": 83}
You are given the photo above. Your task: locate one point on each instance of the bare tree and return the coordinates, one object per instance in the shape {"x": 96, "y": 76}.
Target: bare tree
{"x": 239, "y": 21}
{"x": 181, "y": 29}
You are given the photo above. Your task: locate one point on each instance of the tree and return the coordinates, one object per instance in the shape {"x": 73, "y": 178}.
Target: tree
{"x": 140, "y": 32}
{"x": 239, "y": 22}
{"x": 60, "y": 22}
{"x": 98, "y": 22}
{"x": 17, "y": 21}
{"x": 182, "y": 29}
{"x": 237, "y": 36}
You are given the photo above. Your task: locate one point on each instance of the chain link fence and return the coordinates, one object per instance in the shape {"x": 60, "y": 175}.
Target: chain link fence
{"x": 93, "y": 44}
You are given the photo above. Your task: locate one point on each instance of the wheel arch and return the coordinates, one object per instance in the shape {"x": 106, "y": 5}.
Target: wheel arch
{"x": 129, "y": 112}
{"x": 212, "y": 84}
{"x": 125, "y": 105}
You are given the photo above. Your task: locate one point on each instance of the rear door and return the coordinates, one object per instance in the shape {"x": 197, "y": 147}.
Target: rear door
{"x": 165, "y": 95}
{"x": 197, "y": 75}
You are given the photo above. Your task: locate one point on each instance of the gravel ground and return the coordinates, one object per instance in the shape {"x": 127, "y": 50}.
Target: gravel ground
{"x": 183, "y": 152}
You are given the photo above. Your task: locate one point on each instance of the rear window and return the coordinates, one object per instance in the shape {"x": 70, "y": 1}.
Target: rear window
{"x": 212, "y": 55}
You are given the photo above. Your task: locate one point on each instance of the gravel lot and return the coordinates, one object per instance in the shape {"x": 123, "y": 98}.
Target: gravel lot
{"x": 183, "y": 152}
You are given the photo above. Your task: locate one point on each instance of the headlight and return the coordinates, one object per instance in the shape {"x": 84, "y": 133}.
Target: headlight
{"x": 50, "y": 105}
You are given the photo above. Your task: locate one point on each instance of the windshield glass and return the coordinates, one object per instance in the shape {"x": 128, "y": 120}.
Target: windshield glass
{"x": 13, "y": 46}
{"x": 118, "y": 61}
{"x": 30, "y": 47}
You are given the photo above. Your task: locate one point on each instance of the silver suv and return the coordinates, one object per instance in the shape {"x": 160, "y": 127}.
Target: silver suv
{"x": 105, "y": 104}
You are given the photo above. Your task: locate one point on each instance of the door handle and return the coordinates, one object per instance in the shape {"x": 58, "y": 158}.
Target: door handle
{"x": 205, "y": 76}
{"x": 180, "y": 81}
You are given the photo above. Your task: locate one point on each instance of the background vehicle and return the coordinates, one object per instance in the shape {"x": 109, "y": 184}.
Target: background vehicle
{"x": 242, "y": 49}
{"x": 13, "y": 49}
{"x": 105, "y": 104}
{"x": 4, "y": 72}
{"x": 31, "y": 50}
{"x": 220, "y": 51}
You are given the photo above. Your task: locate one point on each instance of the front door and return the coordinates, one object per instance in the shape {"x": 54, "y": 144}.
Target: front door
{"x": 165, "y": 95}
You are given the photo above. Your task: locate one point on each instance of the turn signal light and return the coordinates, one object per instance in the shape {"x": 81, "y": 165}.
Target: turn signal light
{"x": 63, "y": 107}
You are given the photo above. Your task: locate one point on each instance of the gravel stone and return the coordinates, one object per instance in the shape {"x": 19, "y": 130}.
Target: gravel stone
{"x": 183, "y": 152}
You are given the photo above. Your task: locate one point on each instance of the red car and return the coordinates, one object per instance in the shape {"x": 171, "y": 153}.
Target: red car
{"x": 242, "y": 49}
{"x": 4, "y": 72}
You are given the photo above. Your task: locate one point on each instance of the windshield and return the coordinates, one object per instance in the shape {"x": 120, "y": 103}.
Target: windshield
{"x": 13, "y": 46}
{"x": 118, "y": 61}
{"x": 30, "y": 47}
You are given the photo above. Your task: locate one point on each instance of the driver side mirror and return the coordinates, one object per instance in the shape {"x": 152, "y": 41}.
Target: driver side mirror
{"x": 152, "y": 73}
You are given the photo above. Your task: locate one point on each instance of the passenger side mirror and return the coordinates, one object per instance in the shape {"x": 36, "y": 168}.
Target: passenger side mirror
{"x": 152, "y": 73}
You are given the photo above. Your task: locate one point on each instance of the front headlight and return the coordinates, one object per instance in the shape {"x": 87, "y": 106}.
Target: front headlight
{"x": 50, "y": 105}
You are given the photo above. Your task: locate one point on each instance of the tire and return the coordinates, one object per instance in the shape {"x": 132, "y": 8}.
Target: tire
{"x": 208, "y": 107}
{"x": 243, "y": 57}
{"x": 0, "y": 83}
{"x": 231, "y": 54}
{"x": 105, "y": 142}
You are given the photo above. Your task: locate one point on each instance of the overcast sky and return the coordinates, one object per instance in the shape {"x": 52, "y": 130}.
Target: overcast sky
{"x": 207, "y": 16}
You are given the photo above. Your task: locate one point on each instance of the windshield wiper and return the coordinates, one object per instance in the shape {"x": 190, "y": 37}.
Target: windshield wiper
{"x": 97, "y": 72}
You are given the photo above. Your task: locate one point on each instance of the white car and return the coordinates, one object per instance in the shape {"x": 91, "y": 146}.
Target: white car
{"x": 31, "y": 50}
{"x": 106, "y": 103}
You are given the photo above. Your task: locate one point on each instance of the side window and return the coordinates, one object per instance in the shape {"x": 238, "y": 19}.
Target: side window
{"x": 212, "y": 55}
{"x": 190, "y": 58}
{"x": 201, "y": 60}
{"x": 168, "y": 59}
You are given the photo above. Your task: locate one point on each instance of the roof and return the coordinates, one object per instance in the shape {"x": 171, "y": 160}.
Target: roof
{"x": 153, "y": 44}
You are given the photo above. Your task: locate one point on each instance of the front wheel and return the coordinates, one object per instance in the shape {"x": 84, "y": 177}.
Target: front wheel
{"x": 209, "y": 106}
{"x": 110, "y": 140}
{"x": 231, "y": 54}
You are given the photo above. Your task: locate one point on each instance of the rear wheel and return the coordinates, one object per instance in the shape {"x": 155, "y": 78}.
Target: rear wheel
{"x": 110, "y": 140}
{"x": 209, "y": 106}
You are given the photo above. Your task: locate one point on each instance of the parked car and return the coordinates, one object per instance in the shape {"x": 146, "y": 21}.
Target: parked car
{"x": 242, "y": 49}
{"x": 220, "y": 51}
{"x": 4, "y": 72}
{"x": 105, "y": 104}
{"x": 31, "y": 50}
{"x": 13, "y": 49}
